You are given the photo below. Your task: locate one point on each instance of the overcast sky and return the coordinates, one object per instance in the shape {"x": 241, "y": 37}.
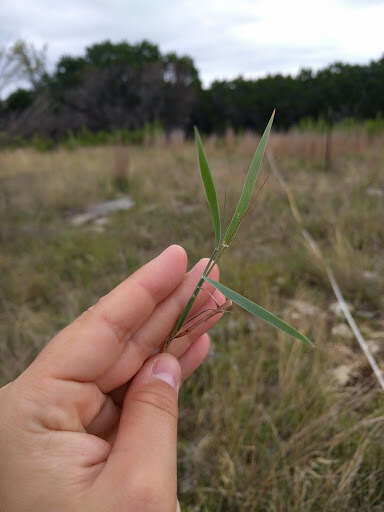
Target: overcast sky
{"x": 226, "y": 38}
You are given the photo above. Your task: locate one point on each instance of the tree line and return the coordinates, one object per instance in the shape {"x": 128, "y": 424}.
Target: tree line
{"x": 123, "y": 86}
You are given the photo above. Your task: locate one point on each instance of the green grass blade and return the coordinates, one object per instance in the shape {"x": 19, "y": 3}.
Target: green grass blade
{"x": 258, "y": 311}
{"x": 249, "y": 185}
{"x": 209, "y": 186}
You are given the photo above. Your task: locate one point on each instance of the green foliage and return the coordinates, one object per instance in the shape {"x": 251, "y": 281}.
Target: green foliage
{"x": 14, "y": 142}
{"x": 122, "y": 86}
{"x": 69, "y": 72}
{"x": 375, "y": 126}
{"x": 86, "y": 138}
{"x": 258, "y": 311}
{"x": 327, "y": 96}
{"x": 41, "y": 143}
{"x": 222, "y": 244}
{"x": 308, "y": 124}
{"x": 107, "y": 54}
{"x": 32, "y": 62}
{"x": 19, "y": 100}
{"x": 249, "y": 186}
{"x": 210, "y": 190}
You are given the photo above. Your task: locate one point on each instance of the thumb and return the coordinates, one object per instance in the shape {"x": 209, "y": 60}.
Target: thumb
{"x": 144, "y": 452}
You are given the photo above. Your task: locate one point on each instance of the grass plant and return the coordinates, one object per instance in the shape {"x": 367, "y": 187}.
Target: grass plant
{"x": 223, "y": 241}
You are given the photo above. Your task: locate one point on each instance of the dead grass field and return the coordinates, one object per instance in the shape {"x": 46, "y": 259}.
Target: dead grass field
{"x": 266, "y": 424}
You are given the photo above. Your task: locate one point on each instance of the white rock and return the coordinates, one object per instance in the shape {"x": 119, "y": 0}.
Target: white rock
{"x": 342, "y": 374}
{"x": 96, "y": 211}
{"x": 102, "y": 221}
{"x": 305, "y": 308}
{"x": 371, "y": 276}
{"x": 372, "y": 191}
{"x": 99, "y": 224}
{"x": 366, "y": 314}
{"x": 374, "y": 346}
{"x": 295, "y": 315}
{"x": 80, "y": 219}
{"x": 251, "y": 324}
{"x": 342, "y": 330}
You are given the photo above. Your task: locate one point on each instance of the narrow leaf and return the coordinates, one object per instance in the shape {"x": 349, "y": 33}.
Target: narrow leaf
{"x": 209, "y": 186}
{"x": 249, "y": 185}
{"x": 258, "y": 311}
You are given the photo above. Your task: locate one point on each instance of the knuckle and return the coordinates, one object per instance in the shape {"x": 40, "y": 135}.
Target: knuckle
{"x": 147, "y": 498}
{"x": 161, "y": 398}
{"x": 101, "y": 312}
{"x": 151, "y": 498}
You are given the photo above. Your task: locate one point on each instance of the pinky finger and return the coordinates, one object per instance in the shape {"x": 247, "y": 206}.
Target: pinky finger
{"x": 194, "y": 356}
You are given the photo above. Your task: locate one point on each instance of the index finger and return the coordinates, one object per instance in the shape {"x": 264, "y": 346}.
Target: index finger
{"x": 85, "y": 349}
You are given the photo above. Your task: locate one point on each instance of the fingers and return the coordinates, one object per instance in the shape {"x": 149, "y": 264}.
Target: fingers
{"x": 194, "y": 356}
{"x": 200, "y": 323}
{"x": 166, "y": 314}
{"x": 147, "y": 435}
{"x": 106, "y": 422}
{"x": 93, "y": 343}
{"x": 152, "y": 334}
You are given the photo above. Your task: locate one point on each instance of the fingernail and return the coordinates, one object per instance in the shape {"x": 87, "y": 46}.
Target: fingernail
{"x": 168, "y": 370}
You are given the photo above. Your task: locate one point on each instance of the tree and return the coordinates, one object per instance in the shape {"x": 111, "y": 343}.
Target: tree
{"x": 181, "y": 85}
{"x": 113, "y": 86}
{"x": 120, "y": 85}
{"x": 10, "y": 67}
{"x": 19, "y": 100}
{"x": 31, "y": 62}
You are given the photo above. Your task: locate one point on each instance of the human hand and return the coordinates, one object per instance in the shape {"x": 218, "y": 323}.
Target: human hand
{"x": 91, "y": 425}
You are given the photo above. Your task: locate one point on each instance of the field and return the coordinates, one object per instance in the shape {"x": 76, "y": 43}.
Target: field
{"x": 266, "y": 424}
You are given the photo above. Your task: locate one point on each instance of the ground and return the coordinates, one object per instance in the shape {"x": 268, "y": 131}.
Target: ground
{"x": 266, "y": 424}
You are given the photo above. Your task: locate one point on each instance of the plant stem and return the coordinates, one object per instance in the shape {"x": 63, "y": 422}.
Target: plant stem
{"x": 180, "y": 321}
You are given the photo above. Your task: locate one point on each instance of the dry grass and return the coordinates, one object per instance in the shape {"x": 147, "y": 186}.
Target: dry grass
{"x": 264, "y": 424}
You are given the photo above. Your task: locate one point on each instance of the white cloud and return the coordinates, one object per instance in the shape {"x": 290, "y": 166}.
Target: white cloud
{"x": 226, "y": 38}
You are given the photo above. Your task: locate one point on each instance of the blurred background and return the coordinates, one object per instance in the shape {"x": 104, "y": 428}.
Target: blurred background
{"x": 98, "y": 174}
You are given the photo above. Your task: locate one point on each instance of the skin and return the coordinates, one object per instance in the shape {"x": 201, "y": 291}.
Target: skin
{"x": 91, "y": 424}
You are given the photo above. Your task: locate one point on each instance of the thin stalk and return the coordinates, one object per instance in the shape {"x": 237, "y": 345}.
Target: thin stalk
{"x": 181, "y": 319}
{"x": 222, "y": 242}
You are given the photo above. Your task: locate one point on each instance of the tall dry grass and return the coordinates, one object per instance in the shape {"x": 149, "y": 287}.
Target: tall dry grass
{"x": 265, "y": 424}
